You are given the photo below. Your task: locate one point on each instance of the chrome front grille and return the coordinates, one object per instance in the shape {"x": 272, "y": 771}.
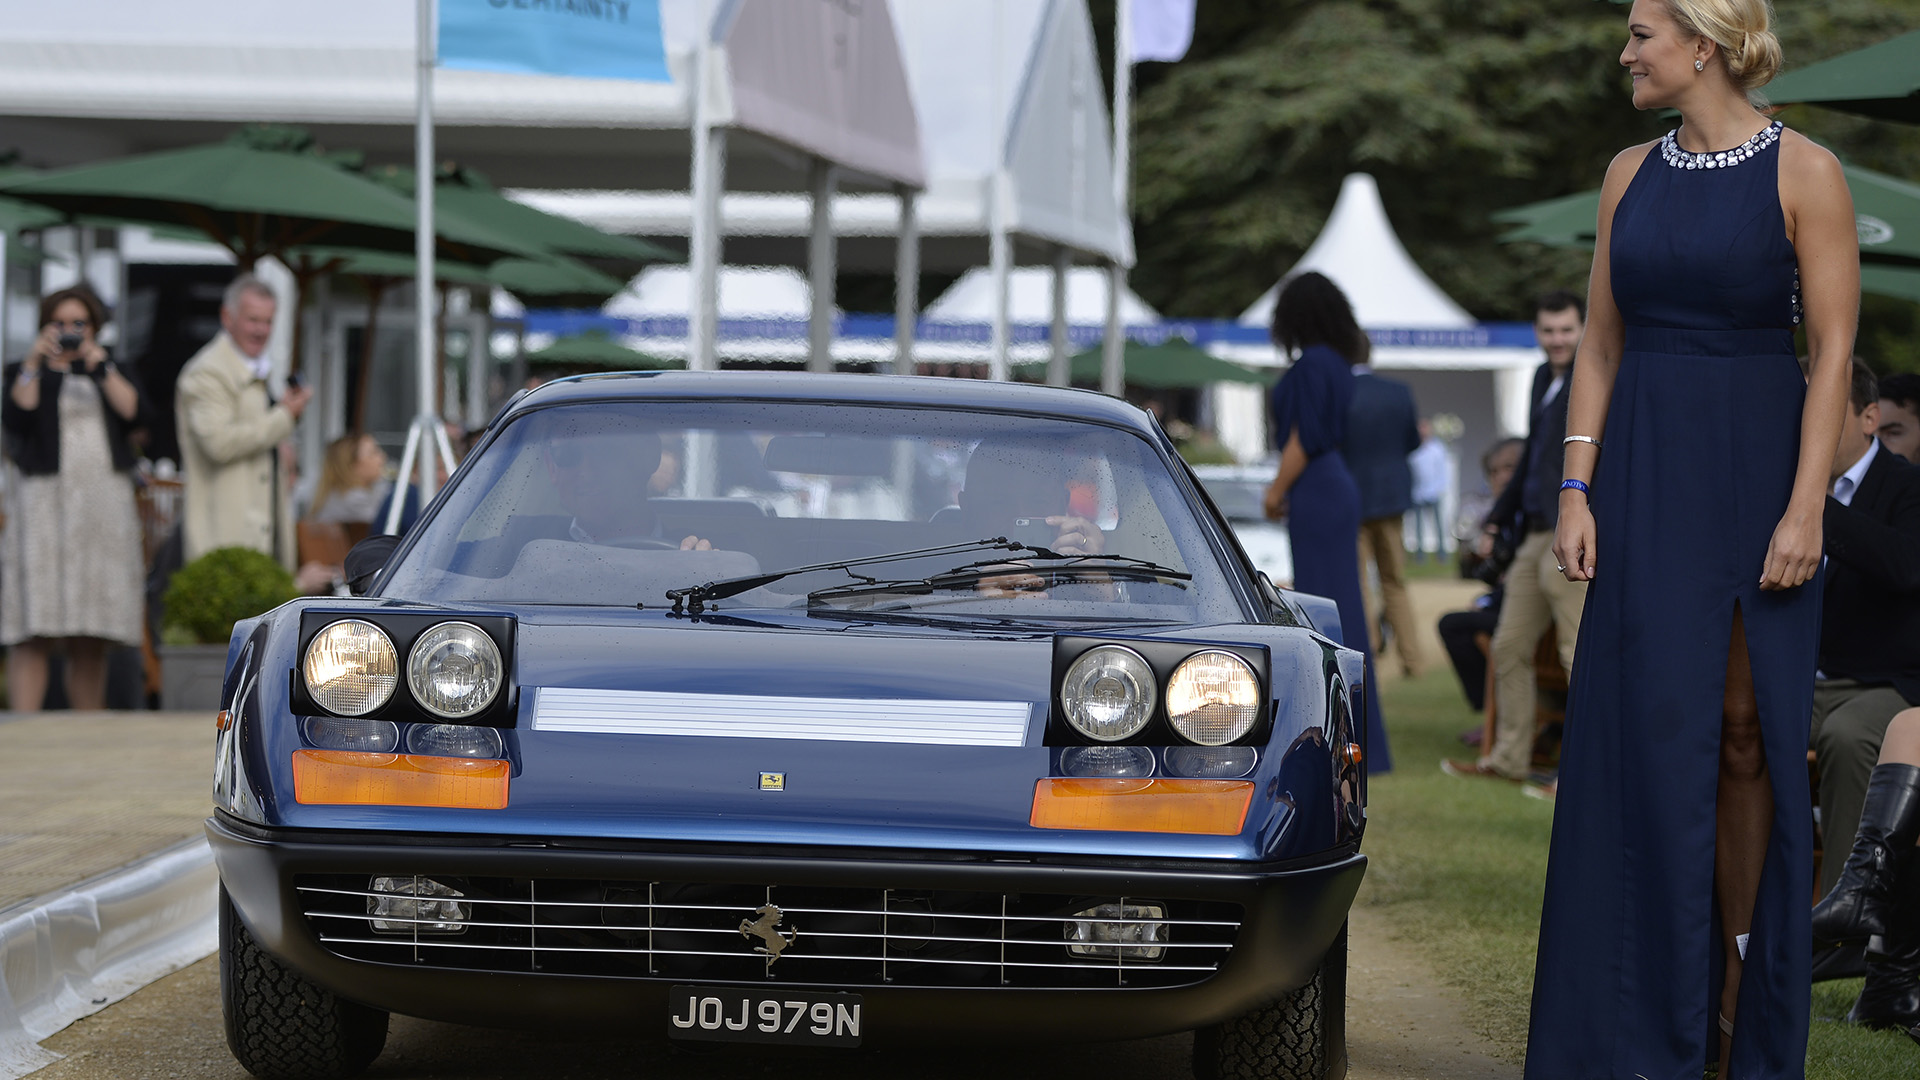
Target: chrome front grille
{"x": 840, "y": 936}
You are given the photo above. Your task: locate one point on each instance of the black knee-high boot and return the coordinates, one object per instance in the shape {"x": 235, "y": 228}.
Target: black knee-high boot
{"x": 1858, "y": 907}
{"x": 1891, "y": 998}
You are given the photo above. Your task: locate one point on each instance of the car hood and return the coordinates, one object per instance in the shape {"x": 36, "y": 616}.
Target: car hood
{"x": 657, "y": 728}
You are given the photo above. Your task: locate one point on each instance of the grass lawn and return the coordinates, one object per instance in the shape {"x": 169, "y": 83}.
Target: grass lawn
{"x": 1458, "y": 865}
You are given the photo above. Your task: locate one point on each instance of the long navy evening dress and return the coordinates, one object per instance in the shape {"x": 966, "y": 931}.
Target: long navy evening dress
{"x": 1701, "y": 443}
{"x": 1323, "y": 515}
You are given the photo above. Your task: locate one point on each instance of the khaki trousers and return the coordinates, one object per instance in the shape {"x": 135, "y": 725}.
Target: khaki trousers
{"x": 1849, "y": 723}
{"x": 1538, "y": 596}
{"x": 1383, "y": 542}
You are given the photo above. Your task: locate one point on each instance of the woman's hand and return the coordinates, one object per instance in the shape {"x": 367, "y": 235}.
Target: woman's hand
{"x": 46, "y": 348}
{"x": 1275, "y": 503}
{"x": 91, "y": 354}
{"x": 1573, "y": 538}
{"x": 1794, "y": 552}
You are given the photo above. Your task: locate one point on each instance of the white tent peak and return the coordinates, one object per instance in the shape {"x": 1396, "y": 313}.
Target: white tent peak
{"x": 1359, "y": 251}
{"x": 1030, "y": 298}
{"x": 746, "y": 292}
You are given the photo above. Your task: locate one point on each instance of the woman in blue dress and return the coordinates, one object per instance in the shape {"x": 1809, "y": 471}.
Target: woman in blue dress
{"x": 1675, "y": 931}
{"x": 1314, "y": 492}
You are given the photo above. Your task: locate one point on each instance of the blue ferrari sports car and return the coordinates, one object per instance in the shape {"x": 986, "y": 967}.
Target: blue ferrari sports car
{"x": 824, "y": 710}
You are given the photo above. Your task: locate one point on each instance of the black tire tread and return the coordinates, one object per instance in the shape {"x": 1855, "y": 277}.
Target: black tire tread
{"x": 280, "y": 1026}
{"x": 1301, "y": 1036}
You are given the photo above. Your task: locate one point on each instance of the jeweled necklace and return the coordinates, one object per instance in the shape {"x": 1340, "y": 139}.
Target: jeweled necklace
{"x": 1717, "y": 159}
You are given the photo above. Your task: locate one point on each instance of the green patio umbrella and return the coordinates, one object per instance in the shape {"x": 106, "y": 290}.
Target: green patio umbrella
{"x": 264, "y": 191}
{"x": 1899, "y": 282}
{"x": 596, "y": 349}
{"x": 1177, "y": 363}
{"x": 1886, "y": 210}
{"x": 1881, "y": 81}
{"x": 466, "y": 193}
{"x": 16, "y": 215}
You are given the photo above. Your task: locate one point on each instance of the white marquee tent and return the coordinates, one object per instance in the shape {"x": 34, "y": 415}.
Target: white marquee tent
{"x": 1014, "y": 124}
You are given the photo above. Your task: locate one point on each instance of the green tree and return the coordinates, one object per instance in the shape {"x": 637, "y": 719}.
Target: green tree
{"x": 1459, "y": 108}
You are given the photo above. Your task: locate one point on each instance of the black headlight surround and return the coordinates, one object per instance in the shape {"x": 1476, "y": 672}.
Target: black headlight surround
{"x": 404, "y": 628}
{"x": 1162, "y": 655}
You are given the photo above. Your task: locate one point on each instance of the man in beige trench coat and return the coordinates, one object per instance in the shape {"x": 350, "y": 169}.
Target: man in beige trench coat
{"x": 230, "y": 432}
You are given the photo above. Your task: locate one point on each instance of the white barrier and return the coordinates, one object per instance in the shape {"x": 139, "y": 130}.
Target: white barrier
{"x": 76, "y": 952}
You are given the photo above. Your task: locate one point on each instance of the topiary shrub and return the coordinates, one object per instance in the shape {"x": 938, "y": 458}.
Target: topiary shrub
{"x": 211, "y": 593}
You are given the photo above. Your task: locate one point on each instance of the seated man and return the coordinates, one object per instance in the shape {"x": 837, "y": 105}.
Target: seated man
{"x": 1458, "y": 629}
{"x": 600, "y": 467}
{"x": 1029, "y": 494}
{"x": 1869, "y": 663}
{"x": 1900, "y": 415}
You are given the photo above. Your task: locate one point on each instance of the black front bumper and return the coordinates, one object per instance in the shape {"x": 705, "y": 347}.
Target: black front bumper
{"x": 1290, "y": 916}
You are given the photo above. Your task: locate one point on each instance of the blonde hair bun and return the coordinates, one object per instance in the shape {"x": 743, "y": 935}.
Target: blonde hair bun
{"x": 1743, "y": 29}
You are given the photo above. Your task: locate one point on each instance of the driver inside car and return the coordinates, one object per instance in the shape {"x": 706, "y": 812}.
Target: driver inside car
{"x": 600, "y": 468}
{"x": 1029, "y": 494}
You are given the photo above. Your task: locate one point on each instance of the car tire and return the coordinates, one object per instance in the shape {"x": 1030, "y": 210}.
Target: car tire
{"x": 1301, "y": 1036}
{"x": 280, "y": 1026}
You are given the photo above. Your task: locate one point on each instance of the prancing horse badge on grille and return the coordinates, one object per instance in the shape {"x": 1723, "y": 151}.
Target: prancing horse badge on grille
{"x": 767, "y": 928}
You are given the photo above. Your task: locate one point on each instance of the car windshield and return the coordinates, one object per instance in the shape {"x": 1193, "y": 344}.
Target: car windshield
{"x": 617, "y": 502}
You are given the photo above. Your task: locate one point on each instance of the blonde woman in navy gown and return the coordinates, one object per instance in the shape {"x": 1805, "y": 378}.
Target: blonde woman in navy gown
{"x": 1681, "y": 839}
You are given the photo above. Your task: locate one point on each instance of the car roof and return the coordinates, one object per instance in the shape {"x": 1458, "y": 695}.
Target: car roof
{"x": 930, "y": 391}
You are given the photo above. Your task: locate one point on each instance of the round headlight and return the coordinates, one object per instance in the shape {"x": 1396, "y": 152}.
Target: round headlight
{"x": 454, "y": 670}
{"x": 1213, "y": 698}
{"x": 1108, "y": 693}
{"x": 351, "y": 667}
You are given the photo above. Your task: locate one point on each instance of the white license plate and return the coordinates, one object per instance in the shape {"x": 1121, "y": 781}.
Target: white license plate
{"x": 732, "y": 1014}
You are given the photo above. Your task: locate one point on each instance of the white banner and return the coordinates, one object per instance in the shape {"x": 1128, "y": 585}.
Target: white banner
{"x": 1162, "y": 29}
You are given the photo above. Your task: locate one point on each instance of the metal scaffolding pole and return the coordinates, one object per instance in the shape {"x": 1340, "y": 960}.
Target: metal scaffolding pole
{"x": 820, "y": 266}
{"x": 906, "y": 280}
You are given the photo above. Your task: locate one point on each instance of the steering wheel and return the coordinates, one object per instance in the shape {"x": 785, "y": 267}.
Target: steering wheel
{"x": 646, "y": 543}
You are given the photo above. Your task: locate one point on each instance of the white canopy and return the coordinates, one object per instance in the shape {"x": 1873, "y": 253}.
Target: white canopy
{"x": 1359, "y": 250}
{"x": 746, "y": 292}
{"x": 85, "y": 81}
{"x": 1030, "y": 298}
{"x": 1009, "y": 92}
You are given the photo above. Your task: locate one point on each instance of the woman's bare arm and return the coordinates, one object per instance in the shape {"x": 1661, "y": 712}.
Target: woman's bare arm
{"x": 1293, "y": 462}
{"x": 1594, "y": 369}
{"x": 1819, "y": 213}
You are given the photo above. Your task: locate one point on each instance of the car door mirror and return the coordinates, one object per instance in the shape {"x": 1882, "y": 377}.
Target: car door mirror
{"x": 1278, "y": 610}
{"x": 365, "y": 561}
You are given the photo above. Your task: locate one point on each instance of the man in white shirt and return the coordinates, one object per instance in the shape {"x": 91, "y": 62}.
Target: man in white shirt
{"x": 230, "y": 431}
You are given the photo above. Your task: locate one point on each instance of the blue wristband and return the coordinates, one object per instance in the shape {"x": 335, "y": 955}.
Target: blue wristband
{"x": 1577, "y": 485}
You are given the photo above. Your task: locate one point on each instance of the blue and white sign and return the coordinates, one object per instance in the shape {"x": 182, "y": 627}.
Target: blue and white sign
{"x": 589, "y": 39}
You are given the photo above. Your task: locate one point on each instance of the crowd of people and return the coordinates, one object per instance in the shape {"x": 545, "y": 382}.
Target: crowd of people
{"x": 74, "y": 566}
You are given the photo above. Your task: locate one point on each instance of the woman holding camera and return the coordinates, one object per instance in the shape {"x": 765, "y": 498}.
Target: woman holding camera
{"x": 71, "y": 575}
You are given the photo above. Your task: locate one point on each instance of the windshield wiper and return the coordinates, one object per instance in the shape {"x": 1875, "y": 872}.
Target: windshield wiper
{"x": 1050, "y": 564}
{"x": 697, "y": 597}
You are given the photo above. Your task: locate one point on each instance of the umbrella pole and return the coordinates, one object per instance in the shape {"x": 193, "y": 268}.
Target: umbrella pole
{"x": 376, "y": 291}
{"x": 426, "y": 351}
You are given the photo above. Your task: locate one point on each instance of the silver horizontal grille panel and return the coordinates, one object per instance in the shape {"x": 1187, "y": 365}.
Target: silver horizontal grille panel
{"x": 755, "y": 716}
{"x": 839, "y": 936}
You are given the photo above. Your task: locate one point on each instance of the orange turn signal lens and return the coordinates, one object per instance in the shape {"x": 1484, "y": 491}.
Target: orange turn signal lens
{"x": 1206, "y": 807}
{"x": 1352, "y": 754}
{"x": 352, "y": 778}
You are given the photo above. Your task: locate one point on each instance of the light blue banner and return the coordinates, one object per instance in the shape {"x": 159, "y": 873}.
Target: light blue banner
{"x": 590, "y": 39}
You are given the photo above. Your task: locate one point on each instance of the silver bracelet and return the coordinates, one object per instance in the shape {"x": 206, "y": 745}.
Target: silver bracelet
{"x": 1581, "y": 438}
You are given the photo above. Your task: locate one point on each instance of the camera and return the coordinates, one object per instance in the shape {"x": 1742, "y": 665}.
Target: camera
{"x": 71, "y": 342}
